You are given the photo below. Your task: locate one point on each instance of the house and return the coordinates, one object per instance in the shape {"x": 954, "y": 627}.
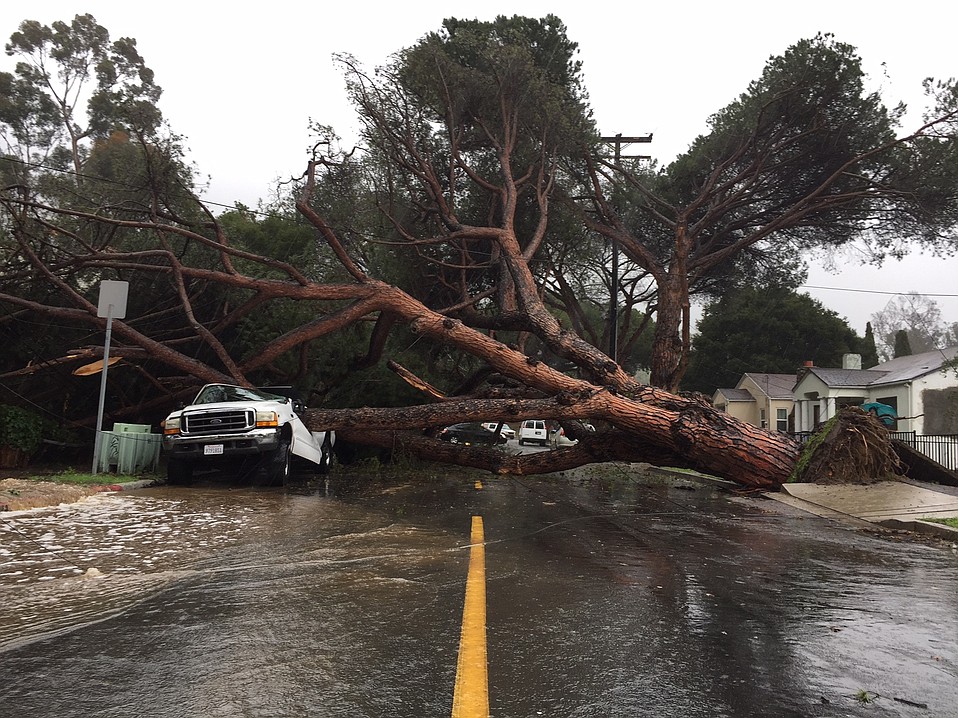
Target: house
{"x": 763, "y": 400}
{"x": 922, "y": 388}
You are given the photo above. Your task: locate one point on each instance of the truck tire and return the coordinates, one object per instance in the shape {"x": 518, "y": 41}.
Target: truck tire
{"x": 326, "y": 460}
{"x": 278, "y": 465}
{"x": 179, "y": 473}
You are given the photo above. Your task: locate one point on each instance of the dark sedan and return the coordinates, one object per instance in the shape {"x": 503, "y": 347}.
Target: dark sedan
{"x": 472, "y": 433}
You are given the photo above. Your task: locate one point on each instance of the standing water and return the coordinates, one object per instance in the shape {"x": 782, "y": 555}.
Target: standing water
{"x": 218, "y": 602}
{"x": 613, "y": 597}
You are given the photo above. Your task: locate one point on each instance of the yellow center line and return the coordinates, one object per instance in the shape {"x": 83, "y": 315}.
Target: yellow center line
{"x": 471, "y": 697}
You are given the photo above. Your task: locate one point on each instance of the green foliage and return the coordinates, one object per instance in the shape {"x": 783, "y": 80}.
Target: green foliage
{"x": 769, "y": 330}
{"x": 802, "y": 120}
{"x": 808, "y": 450}
{"x": 464, "y": 73}
{"x": 20, "y": 428}
{"x": 63, "y": 58}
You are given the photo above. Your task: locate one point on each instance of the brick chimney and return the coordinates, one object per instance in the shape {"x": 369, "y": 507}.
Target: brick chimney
{"x": 803, "y": 371}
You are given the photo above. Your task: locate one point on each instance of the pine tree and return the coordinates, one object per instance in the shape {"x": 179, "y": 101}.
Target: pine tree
{"x": 868, "y": 349}
{"x": 902, "y": 345}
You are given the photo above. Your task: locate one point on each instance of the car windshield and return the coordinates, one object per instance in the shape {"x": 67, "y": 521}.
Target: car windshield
{"x": 214, "y": 393}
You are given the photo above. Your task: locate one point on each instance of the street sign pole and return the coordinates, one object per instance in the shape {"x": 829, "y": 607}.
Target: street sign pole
{"x": 112, "y": 304}
{"x": 99, "y": 412}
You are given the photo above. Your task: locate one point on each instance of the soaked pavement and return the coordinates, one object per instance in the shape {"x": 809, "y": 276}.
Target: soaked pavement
{"x": 607, "y": 597}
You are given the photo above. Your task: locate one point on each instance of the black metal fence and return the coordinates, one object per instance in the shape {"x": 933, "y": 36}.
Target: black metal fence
{"x": 942, "y": 448}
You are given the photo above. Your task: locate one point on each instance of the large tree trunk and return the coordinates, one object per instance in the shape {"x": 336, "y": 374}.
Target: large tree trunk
{"x": 670, "y": 346}
{"x": 854, "y": 447}
{"x": 686, "y": 435}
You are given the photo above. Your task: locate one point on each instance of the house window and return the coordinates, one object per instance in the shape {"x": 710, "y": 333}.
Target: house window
{"x": 781, "y": 419}
{"x": 763, "y": 422}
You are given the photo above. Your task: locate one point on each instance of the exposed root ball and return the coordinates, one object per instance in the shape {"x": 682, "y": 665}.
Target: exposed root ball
{"x": 851, "y": 448}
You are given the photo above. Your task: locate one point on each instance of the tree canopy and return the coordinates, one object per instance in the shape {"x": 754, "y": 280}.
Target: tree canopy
{"x": 804, "y": 157}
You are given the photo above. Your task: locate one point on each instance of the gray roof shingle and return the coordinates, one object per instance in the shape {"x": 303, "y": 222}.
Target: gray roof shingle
{"x": 776, "y": 386}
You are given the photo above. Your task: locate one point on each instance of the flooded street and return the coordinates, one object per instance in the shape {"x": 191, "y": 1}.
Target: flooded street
{"x": 604, "y": 598}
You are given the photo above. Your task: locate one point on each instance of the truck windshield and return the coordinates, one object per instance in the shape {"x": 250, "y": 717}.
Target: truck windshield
{"x": 223, "y": 392}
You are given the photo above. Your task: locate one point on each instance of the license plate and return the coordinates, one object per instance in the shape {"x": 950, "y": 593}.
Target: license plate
{"x": 212, "y": 449}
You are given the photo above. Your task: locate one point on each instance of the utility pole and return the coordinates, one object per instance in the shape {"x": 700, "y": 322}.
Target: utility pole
{"x": 618, "y": 140}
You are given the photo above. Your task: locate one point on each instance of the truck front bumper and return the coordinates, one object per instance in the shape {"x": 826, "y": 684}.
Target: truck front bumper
{"x": 216, "y": 447}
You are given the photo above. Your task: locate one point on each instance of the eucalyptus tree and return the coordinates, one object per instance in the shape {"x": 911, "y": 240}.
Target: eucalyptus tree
{"x": 82, "y": 134}
{"x": 80, "y": 86}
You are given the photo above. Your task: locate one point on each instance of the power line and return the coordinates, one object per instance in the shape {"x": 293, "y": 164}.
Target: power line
{"x": 875, "y": 291}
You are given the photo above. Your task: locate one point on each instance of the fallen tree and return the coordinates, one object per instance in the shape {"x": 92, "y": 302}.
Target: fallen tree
{"x": 463, "y": 169}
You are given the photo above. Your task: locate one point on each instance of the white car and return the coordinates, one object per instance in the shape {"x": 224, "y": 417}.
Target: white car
{"x": 506, "y": 430}
{"x": 559, "y": 439}
{"x": 258, "y": 427}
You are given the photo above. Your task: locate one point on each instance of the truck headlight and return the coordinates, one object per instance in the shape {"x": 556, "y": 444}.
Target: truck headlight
{"x": 171, "y": 425}
{"x": 267, "y": 418}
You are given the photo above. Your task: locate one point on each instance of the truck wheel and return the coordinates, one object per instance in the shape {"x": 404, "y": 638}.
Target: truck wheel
{"x": 278, "y": 465}
{"x": 326, "y": 460}
{"x": 179, "y": 473}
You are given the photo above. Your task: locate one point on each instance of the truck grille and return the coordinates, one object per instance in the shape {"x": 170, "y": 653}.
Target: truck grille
{"x": 225, "y": 421}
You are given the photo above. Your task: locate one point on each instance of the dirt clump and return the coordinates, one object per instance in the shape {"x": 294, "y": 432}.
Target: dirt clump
{"x": 20, "y": 494}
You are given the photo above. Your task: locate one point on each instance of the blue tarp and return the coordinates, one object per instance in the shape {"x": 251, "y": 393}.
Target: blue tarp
{"x": 885, "y": 413}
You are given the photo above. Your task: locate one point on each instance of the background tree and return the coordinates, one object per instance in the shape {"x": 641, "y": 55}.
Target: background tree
{"x": 869, "y": 351}
{"x": 81, "y": 131}
{"x": 804, "y": 157}
{"x": 769, "y": 330}
{"x": 63, "y": 68}
{"x": 902, "y": 344}
{"x": 919, "y": 317}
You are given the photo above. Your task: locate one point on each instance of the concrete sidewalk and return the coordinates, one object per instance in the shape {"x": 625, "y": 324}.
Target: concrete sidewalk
{"x": 892, "y": 504}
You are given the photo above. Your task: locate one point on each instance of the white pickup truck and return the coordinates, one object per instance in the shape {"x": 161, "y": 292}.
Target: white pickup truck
{"x": 255, "y": 429}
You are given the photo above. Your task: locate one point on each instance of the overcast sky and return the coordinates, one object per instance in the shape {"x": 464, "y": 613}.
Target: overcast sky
{"x": 242, "y": 81}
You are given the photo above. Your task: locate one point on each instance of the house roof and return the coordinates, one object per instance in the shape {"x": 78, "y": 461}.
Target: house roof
{"x": 775, "y": 386}
{"x": 847, "y": 377}
{"x": 895, "y": 371}
{"x": 735, "y": 394}
{"x": 913, "y": 366}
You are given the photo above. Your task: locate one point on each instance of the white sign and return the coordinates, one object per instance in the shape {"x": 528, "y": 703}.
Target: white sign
{"x": 115, "y": 293}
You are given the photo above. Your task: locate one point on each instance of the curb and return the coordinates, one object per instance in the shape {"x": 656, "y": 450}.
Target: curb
{"x": 130, "y": 485}
{"x": 929, "y": 528}
{"x": 824, "y": 512}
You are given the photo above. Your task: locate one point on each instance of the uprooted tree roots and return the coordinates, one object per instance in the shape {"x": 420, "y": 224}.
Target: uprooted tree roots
{"x": 851, "y": 448}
